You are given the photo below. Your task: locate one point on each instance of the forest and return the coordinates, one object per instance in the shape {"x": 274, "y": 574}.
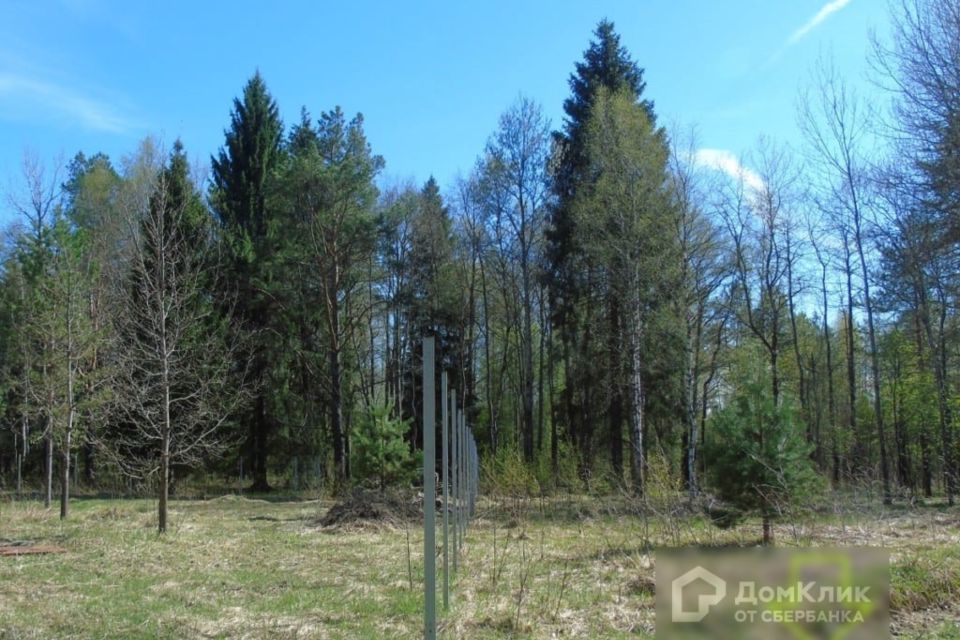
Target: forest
{"x": 612, "y": 308}
{"x": 628, "y": 347}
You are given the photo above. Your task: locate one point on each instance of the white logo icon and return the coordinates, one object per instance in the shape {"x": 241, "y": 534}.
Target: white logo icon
{"x": 704, "y": 601}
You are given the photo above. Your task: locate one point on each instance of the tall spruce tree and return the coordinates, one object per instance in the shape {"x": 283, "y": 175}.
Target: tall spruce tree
{"x": 242, "y": 172}
{"x": 576, "y": 296}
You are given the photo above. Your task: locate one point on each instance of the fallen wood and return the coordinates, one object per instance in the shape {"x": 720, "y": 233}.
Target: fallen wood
{"x": 29, "y": 549}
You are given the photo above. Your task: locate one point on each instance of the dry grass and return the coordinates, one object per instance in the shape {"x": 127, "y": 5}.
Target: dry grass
{"x": 568, "y": 567}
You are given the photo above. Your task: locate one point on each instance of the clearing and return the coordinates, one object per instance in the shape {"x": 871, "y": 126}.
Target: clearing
{"x": 573, "y": 566}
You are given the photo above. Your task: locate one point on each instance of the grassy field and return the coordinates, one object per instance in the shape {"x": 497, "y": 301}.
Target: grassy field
{"x": 574, "y": 567}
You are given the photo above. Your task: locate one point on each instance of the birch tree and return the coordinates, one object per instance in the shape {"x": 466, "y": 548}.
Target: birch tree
{"x": 627, "y": 223}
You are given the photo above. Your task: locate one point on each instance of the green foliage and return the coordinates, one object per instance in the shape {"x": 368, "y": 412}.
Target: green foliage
{"x": 379, "y": 449}
{"x": 567, "y": 475}
{"x": 243, "y": 172}
{"x": 757, "y": 459}
{"x": 506, "y": 474}
{"x": 244, "y": 165}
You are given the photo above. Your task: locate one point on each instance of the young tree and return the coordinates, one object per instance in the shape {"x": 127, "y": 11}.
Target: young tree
{"x": 38, "y": 202}
{"x": 379, "y": 448}
{"x": 758, "y": 458}
{"x": 179, "y": 380}
{"x": 61, "y": 320}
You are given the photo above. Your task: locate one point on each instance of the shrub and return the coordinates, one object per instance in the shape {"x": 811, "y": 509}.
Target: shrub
{"x": 506, "y": 474}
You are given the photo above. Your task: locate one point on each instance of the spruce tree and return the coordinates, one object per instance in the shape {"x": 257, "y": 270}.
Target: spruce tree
{"x": 242, "y": 173}
{"x": 580, "y": 304}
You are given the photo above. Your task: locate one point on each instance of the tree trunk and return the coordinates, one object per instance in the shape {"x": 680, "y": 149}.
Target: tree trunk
{"x": 65, "y": 477}
{"x": 24, "y": 444}
{"x": 851, "y": 364}
{"x": 71, "y": 413}
{"x": 164, "y": 494}
{"x": 527, "y": 370}
{"x": 637, "y": 402}
{"x": 791, "y": 309}
{"x": 615, "y": 386}
{"x": 875, "y": 371}
{"x": 554, "y": 409}
{"x": 48, "y": 484}
{"x": 831, "y": 398}
{"x": 926, "y": 460}
{"x": 336, "y": 415}
{"x": 258, "y": 457}
{"x": 767, "y": 531}
{"x": 691, "y": 361}
{"x": 165, "y": 437}
{"x": 540, "y": 371}
{"x": 938, "y": 357}
{"x": 488, "y": 361}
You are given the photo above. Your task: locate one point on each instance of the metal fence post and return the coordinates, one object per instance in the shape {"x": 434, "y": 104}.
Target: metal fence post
{"x": 445, "y": 461}
{"x": 463, "y": 479}
{"x": 429, "y": 494}
{"x": 454, "y": 472}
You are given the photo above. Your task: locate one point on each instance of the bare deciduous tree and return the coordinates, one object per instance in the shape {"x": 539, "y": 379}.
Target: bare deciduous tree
{"x": 38, "y": 201}
{"x": 836, "y": 126}
{"x": 178, "y": 383}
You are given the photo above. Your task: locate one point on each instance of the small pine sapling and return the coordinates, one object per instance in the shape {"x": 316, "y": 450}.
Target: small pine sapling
{"x": 759, "y": 461}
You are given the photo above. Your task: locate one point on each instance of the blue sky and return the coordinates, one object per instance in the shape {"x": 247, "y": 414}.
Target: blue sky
{"x": 431, "y": 78}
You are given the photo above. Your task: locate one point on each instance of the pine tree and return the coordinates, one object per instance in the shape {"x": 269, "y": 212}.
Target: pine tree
{"x": 330, "y": 193}
{"x": 758, "y": 458}
{"x": 379, "y": 449}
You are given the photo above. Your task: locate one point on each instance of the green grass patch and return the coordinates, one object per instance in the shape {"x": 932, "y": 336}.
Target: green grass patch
{"x": 564, "y": 566}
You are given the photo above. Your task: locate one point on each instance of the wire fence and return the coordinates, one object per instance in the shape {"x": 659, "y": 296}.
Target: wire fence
{"x": 459, "y": 477}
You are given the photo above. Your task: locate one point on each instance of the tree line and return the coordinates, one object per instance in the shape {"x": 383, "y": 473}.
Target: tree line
{"x": 597, "y": 290}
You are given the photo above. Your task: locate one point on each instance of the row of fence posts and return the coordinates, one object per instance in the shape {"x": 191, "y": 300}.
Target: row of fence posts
{"x": 459, "y": 478}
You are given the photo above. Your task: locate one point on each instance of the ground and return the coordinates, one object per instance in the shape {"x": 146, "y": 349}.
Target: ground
{"x": 570, "y": 567}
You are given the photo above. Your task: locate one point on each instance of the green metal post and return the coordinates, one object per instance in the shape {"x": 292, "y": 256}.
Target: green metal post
{"x": 445, "y": 461}
{"x": 455, "y": 473}
{"x": 429, "y": 494}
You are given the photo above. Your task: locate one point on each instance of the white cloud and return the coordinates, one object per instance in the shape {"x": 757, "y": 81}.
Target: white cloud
{"x": 30, "y": 95}
{"x": 724, "y": 161}
{"x": 825, "y": 12}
